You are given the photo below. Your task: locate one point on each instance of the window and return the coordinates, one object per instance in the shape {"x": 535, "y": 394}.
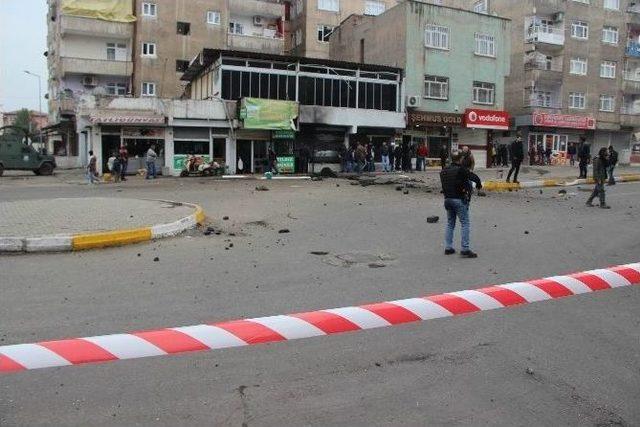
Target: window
{"x": 236, "y": 28}
{"x": 612, "y": 4}
{"x": 149, "y": 9}
{"x": 582, "y": 1}
{"x": 607, "y": 103}
{"x": 324, "y": 32}
{"x": 484, "y": 93}
{"x": 436, "y": 87}
{"x": 213, "y": 17}
{"x": 297, "y": 37}
{"x": 116, "y": 88}
{"x": 148, "y": 49}
{"x": 116, "y": 52}
{"x": 485, "y": 45}
{"x": 374, "y": 7}
{"x": 183, "y": 28}
{"x": 578, "y": 66}
{"x": 541, "y": 98}
{"x": 580, "y": 30}
{"x": 181, "y": 65}
{"x": 480, "y": 6}
{"x": 329, "y": 5}
{"x": 436, "y": 37}
{"x": 608, "y": 69}
{"x": 577, "y": 100}
{"x": 148, "y": 89}
{"x": 609, "y": 35}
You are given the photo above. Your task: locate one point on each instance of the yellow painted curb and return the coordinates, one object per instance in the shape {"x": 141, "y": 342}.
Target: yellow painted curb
{"x": 630, "y": 177}
{"x": 500, "y": 186}
{"x": 550, "y": 183}
{"x": 81, "y": 242}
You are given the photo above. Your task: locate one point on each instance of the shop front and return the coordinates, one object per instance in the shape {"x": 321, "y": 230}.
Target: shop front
{"x": 482, "y": 127}
{"x": 439, "y": 131}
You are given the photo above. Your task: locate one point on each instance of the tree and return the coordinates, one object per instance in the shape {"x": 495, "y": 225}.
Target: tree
{"x": 23, "y": 120}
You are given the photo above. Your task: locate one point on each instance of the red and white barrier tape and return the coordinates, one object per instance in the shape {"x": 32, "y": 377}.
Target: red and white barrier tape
{"x": 260, "y": 330}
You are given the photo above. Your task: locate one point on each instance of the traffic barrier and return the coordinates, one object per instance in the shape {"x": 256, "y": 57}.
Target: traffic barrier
{"x": 161, "y": 342}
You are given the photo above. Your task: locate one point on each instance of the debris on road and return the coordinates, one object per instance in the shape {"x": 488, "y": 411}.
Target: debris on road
{"x": 284, "y": 231}
{"x": 156, "y": 259}
{"x": 261, "y": 188}
{"x": 320, "y": 253}
{"x": 225, "y": 218}
{"x": 433, "y": 219}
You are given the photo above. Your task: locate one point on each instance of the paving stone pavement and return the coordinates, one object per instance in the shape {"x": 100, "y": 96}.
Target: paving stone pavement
{"x": 30, "y": 218}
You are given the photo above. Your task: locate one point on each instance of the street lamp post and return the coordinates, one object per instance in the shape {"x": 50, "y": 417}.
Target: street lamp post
{"x": 39, "y": 98}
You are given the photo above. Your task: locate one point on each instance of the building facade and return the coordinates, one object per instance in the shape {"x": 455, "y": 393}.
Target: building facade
{"x": 455, "y": 64}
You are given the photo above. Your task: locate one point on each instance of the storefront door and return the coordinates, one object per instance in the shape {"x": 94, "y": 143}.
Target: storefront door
{"x": 243, "y": 153}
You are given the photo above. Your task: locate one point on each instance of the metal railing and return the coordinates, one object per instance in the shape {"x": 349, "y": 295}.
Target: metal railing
{"x": 545, "y": 34}
{"x": 542, "y": 103}
{"x": 632, "y": 76}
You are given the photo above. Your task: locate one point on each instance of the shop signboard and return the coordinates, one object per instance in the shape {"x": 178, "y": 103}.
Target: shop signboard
{"x": 268, "y": 114}
{"x": 286, "y": 164}
{"x": 180, "y": 159}
{"x": 563, "y": 121}
{"x": 428, "y": 118}
{"x": 284, "y": 134}
{"x": 126, "y": 120}
{"x": 486, "y": 119}
{"x": 134, "y": 132}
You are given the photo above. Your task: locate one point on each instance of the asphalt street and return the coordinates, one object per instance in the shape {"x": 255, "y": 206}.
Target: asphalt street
{"x": 571, "y": 362}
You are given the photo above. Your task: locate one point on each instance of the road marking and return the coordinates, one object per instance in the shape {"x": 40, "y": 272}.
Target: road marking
{"x": 237, "y": 333}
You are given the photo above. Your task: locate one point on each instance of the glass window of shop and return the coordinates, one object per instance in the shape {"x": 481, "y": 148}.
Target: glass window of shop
{"x": 191, "y": 141}
{"x": 557, "y": 143}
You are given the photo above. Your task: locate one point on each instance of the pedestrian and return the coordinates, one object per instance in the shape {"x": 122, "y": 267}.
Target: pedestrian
{"x": 361, "y": 157}
{"x": 504, "y": 155}
{"x": 532, "y": 155}
{"x": 571, "y": 152}
{"x": 547, "y": 155}
{"x": 384, "y": 152}
{"x": 612, "y": 162}
{"x": 444, "y": 155}
{"x": 92, "y": 171}
{"x": 456, "y": 187}
{"x": 351, "y": 159}
{"x": 115, "y": 167}
{"x": 468, "y": 161}
{"x": 272, "y": 161}
{"x": 151, "y": 158}
{"x": 397, "y": 154}
{"x": 407, "y": 155}
{"x": 392, "y": 156}
{"x": 421, "y": 156}
{"x": 600, "y": 164}
{"x": 517, "y": 154}
{"x": 584, "y": 156}
{"x": 371, "y": 166}
{"x": 124, "y": 162}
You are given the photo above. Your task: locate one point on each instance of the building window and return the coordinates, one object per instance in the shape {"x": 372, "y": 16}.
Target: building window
{"x": 183, "y": 28}
{"x": 608, "y": 69}
{"x": 580, "y": 30}
{"x": 329, "y": 5}
{"x": 149, "y": 9}
{"x": 297, "y": 37}
{"x": 481, "y": 6}
{"x": 116, "y": 52}
{"x": 148, "y": 49}
{"x": 609, "y": 35}
{"x": 577, "y": 100}
{"x": 296, "y": 8}
{"x": 181, "y": 65}
{"x": 578, "y": 66}
{"x": 236, "y": 28}
{"x": 324, "y": 33}
{"x": 148, "y": 89}
{"x": 612, "y": 4}
{"x": 485, "y": 45}
{"x": 436, "y": 87}
{"x": 484, "y": 93}
{"x": 116, "y": 89}
{"x": 607, "y": 103}
{"x": 582, "y": 1}
{"x": 213, "y": 17}
{"x": 374, "y": 7}
{"x": 436, "y": 37}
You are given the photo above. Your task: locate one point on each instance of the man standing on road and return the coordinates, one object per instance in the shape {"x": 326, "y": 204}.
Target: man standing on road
{"x": 92, "y": 171}
{"x": 421, "y": 156}
{"x": 384, "y": 152}
{"x": 599, "y": 176}
{"x": 613, "y": 161}
{"x": 468, "y": 161}
{"x": 124, "y": 162}
{"x": 572, "y": 154}
{"x": 517, "y": 154}
{"x": 456, "y": 187}
{"x": 151, "y": 162}
{"x": 444, "y": 155}
{"x": 584, "y": 155}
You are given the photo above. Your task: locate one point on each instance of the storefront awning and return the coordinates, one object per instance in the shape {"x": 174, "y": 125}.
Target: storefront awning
{"x": 112, "y": 119}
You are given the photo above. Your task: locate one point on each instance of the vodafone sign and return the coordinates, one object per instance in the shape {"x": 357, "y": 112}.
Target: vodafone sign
{"x": 486, "y": 119}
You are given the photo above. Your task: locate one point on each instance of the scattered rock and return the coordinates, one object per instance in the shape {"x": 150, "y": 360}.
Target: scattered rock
{"x": 207, "y": 233}
{"x": 398, "y": 187}
{"x": 354, "y": 183}
{"x": 230, "y": 245}
{"x": 232, "y": 234}
{"x": 526, "y": 232}
{"x": 378, "y": 364}
{"x": 541, "y": 192}
{"x": 563, "y": 191}
{"x": 261, "y": 188}
{"x": 405, "y": 192}
{"x": 482, "y": 194}
{"x": 320, "y": 253}
{"x": 284, "y": 231}
{"x": 225, "y": 218}
{"x": 139, "y": 254}
{"x": 328, "y": 173}
{"x": 337, "y": 185}
{"x": 433, "y": 219}
{"x": 316, "y": 178}
{"x": 156, "y": 259}
{"x": 377, "y": 265}
{"x": 529, "y": 371}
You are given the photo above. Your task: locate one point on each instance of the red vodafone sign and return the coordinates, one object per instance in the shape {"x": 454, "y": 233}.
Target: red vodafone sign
{"x": 486, "y": 119}
{"x": 563, "y": 121}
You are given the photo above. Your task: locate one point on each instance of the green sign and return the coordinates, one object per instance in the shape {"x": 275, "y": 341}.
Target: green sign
{"x": 284, "y": 134}
{"x": 268, "y": 114}
{"x": 286, "y": 164}
{"x": 180, "y": 159}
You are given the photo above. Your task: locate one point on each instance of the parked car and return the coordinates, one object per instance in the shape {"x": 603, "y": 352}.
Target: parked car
{"x": 17, "y": 154}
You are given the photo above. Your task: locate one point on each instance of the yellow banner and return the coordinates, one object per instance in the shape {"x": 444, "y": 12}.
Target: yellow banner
{"x": 106, "y": 10}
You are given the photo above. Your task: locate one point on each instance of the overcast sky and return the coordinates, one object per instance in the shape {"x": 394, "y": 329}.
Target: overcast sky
{"x": 23, "y": 40}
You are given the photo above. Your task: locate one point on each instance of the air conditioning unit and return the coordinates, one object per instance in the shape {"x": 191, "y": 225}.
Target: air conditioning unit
{"x": 89, "y": 81}
{"x": 258, "y": 21}
{"x": 558, "y": 17}
{"x": 413, "y": 101}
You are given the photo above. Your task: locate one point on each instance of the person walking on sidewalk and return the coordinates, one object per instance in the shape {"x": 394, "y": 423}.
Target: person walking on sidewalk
{"x": 151, "y": 162}
{"x": 384, "y": 152}
{"x": 92, "y": 171}
{"x": 124, "y": 162}
{"x": 571, "y": 152}
{"x": 456, "y": 187}
{"x": 517, "y": 154}
{"x": 613, "y": 161}
{"x": 600, "y": 164}
{"x": 421, "y": 156}
{"x": 584, "y": 156}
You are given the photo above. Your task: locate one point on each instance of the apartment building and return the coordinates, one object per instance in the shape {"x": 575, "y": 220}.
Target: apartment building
{"x": 455, "y": 62}
{"x": 575, "y": 72}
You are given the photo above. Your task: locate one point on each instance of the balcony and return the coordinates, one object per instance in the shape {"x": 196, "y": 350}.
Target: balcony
{"x": 633, "y": 49}
{"x": 631, "y": 82}
{"x": 540, "y": 34}
{"x": 96, "y": 67}
{"x": 547, "y": 73}
{"x": 94, "y": 27}
{"x": 251, "y": 43}
{"x": 256, "y": 8}
{"x": 67, "y": 105}
{"x": 538, "y": 102}
{"x": 630, "y": 116}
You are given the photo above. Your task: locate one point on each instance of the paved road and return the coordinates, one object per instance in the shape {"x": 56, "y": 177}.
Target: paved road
{"x": 568, "y": 362}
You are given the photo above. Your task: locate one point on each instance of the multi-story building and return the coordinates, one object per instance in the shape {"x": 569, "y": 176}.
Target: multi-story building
{"x": 575, "y": 72}
{"x": 455, "y": 63}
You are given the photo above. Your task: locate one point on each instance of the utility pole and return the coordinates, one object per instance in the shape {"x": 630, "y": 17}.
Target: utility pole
{"x": 39, "y": 100}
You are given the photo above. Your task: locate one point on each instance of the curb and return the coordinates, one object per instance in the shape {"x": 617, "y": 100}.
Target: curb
{"x": 506, "y": 186}
{"x": 239, "y": 333}
{"x": 84, "y": 241}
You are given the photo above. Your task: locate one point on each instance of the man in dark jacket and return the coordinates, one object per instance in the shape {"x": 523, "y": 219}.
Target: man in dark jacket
{"x": 456, "y": 187}
{"x": 444, "y": 155}
{"x": 613, "y": 161}
{"x": 517, "y": 154}
{"x": 584, "y": 155}
{"x": 599, "y": 176}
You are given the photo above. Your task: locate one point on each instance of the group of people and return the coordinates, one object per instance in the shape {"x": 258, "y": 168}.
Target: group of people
{"x": 118, "y": 162}
{"x": 539, "y": 155}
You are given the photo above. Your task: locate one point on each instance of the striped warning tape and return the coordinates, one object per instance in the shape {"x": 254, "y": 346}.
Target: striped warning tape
{"x": 260, "y": 330}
